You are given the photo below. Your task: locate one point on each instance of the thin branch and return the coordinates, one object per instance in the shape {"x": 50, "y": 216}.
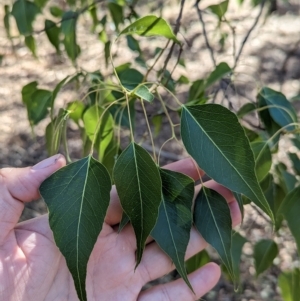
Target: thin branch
{"x": 205, "y": 33}
{"x": 249, "y": 32}
{"x": 176, "y": 30}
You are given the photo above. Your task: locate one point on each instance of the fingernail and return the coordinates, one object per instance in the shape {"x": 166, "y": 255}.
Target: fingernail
{"x": 47, "y": 162}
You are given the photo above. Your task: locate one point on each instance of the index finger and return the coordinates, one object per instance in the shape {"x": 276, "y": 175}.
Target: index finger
{"x": 186, "y": 166}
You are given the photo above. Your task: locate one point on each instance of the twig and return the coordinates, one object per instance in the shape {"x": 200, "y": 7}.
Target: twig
{"x": 249, "y": 32}
{"x": 205, "y": 33}
{"x": 176, "y": 30}
{"x": 164, "y": 154}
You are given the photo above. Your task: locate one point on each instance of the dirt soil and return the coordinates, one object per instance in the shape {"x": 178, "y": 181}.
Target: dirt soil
{"x": 270, "y": 57}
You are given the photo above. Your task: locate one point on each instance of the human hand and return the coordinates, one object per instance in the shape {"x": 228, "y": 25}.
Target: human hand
{"x": 32, "y": 267}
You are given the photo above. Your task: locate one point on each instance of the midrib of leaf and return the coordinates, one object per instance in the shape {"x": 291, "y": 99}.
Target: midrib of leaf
{"x": 139, "y": 185}
{"x": 215, "y": 222}
{"x": 226, "y": 158}
{"x": 77, "y": 240}
{"x": 168, "y": 221}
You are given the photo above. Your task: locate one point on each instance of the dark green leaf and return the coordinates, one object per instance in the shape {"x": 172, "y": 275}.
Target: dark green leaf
{"x": 219, "y": 9}
{"x": 280, "y": 109}
{"x": 196, "y": 90}
{"x": 296, "y": 142}
{"x": 116, "y": 12}
{"x": 121, "y": 117}
{"x": 27, "y": 92}
{"x": 131, "y": 78}
{"x": 221, "y": 70}
{"x": 6, "y": 20}
{"x": 167, "y": 80}
{"x": 25, "y": 12}
{"x": 107, "y": 52}
{"x": 238, "y": 242}
{"x": 68, "y": 28}
{"x": 139, "y": 188}
{"x": 246, "y": 109}
{"x": 239, "y": 199}
{"x": 56, "y": 11}
{"x": 105, "y": 133}
{"x": 30, "y": 43}
{"x": 133, "y": 44}
{"x": 290, "y": 209}
{"x": 265, "y": 252}
{"x": 124, "y": 221}
{"x": 263, "y": 159}
{"x": 58, "y": 88}
{"x": 77, "y": 197}
{"x": 197, "y": 261}
{"x": 289, "y": 283}
{"x": 252, "y": 136}
{"x": 119, "y": 69}
{"x": 110, "y": 155}
{"x": 37, "y": 104}
{"x": 213, "y": 136}
{"x": 143, "y": 92}
{"x": 287, "y": 180}
{"x": 53, "y": 31}
{"x": 174, "y": 223}
{"x": 212, "y": 219}
{"x": 296, "y": 162}
{"x": 54, "y": 132}
{"x": 150, "y": 26}
{"x": 183, "y": 80}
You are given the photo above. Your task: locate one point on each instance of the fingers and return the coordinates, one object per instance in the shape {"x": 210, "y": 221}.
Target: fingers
{"x": 18, "y": 185}
{"x": 202, "y": 281}
{"x": 23, "y": 183}
{"x": 185, "y": 166}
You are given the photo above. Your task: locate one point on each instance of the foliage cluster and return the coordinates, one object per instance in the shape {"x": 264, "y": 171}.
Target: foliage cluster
{"x": 155, "y": 201}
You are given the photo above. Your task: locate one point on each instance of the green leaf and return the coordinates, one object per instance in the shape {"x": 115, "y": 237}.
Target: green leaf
{"x": 290, "y": 209}
{"x": 77, "y": 197}
{"x": 37, "y": 102}
{"x": 27, "y": 92}
{"x": 238, "y": 242}
{"x": 150, "y": 26}
{"x": 296, "y": 162}
{"x": 213, "y": 136}
{"x": 289, "y": 283}
{"x": 139, "y": 188}
{"x": 124, "y": 221}
{"x": 265, "y": 252}
{"x": 221, "y": 70}
{"x": 157, "y": 121}
{"x": 58, "y": 88}
{"x": 197, "y": 261}
{"x": 239, "y": 199}
{"x": 110, "y": 155}
{"x": 56, "y": 11}
{"x": 105, "y": 133}
{"x": 280, "y": 109}
{"x": 286, "y": 179}
{"x": 212, "y": 219}
{"x": 120, "y": 113}
{"x": 116, "y": 12}
{"x": 41, "y": 3}
{"x": 76, "y": 109}
{"x": 167, "y": 80}
{"x": 68, "y": 28}
{"x": 132, "y": 79}
{"x": 246, "y": 109}
{"x": 107, "y": 52}
{"x": 183, "y": 80}
{"x": 263, "y": 159}
{"x": 133, "y": 44}
{"x": 219, "y": 9}
{"x": 25, "y": 12}
{"x": 30, "y": 43}
{"x": 53, "y": 31}
{"x": 6, "y": 20}
{"x": 196, "y": 90}
{"x": 174, "y": 223}
{"x": 54, "y": 131}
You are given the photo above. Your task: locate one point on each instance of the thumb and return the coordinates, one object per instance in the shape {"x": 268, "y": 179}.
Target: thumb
{"x": 23, "y": 183}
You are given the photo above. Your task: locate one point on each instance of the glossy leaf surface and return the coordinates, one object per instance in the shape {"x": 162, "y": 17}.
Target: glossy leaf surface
{"x": 212, "y": 219}
{"x": 77, "y": 197}
{"x": 150, "y": 26}
{"x": 139, "y": 187}
{"x": 213, "y": 136}
{"x": 174, "y": 223}
{"x": 265, "y": 252}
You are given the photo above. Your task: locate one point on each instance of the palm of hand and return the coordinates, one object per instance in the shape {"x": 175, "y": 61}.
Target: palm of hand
{"x": 32, "y": 267}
